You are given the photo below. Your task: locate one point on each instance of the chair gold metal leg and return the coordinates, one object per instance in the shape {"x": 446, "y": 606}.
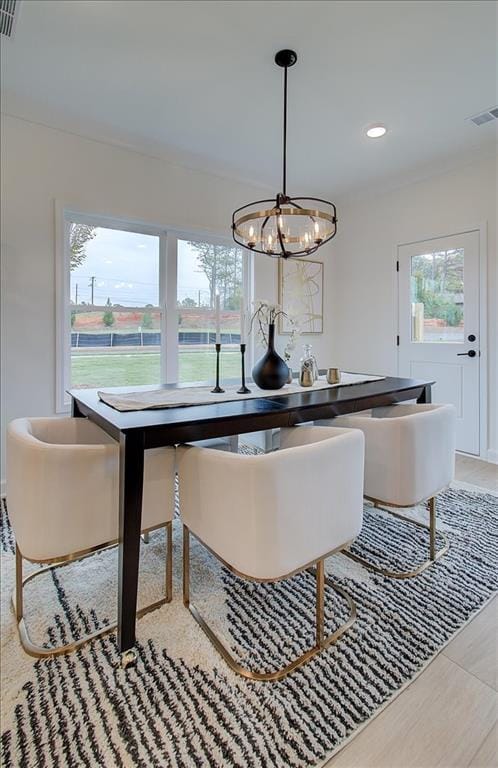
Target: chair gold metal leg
{"x": 432, "y": 528}
{"x": 433, "y": 553}
{"x": 128, "y": 658}
{"x": 19, "y": 595}
{"x": 40, "y": 651}
{"x": 321, "y": 641}
{"x": 320, "y": 593}
{"x": 186, "y": 566}
{"x": 169, "y": 561}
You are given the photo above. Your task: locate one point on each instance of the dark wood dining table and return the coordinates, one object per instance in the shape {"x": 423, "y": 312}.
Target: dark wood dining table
{"x": 137, "y": 431}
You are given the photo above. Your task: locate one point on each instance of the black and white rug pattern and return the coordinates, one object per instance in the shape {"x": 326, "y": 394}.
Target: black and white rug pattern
{"x": 181, "y": 706}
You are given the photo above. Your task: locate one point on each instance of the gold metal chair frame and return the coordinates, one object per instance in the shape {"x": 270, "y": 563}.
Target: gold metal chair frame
{"x": 39, "y": 651}
{"x": 322, "y": 641}
{"x": 433, "y": 553}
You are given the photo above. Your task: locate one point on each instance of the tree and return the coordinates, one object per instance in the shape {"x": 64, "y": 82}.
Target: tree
{"x": 79, "y": 235}
{"x": 147, "y": 320}
{"x": 108, "y": 316}
{"x": 222, "y": 266}
{"x": 188, "y": 302}
{"x": 438, "y": 285}
{"x": 73, "y": 317}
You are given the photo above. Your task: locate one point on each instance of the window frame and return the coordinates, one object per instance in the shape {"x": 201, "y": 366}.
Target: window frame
{"x": 168, "y": 287}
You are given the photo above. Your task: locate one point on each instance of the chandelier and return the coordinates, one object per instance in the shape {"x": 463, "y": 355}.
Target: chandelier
{"x": 285, "y": 226}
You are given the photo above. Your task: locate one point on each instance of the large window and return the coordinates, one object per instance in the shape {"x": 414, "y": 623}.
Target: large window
{"x": 114, "y": 315}
{"x": 205, "y": 270}
{"x": 137, "y": 305}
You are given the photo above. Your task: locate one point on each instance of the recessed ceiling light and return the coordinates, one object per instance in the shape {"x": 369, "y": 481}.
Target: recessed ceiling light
{"x": 376, "y": 131}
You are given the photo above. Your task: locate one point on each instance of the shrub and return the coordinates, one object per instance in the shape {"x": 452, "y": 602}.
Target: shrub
{"x": 108, "y": 318}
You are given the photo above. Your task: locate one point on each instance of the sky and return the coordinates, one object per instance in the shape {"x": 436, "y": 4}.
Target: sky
{"x": 126, "y": 270}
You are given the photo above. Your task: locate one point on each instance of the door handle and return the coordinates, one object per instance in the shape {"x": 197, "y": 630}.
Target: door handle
{"x": 470, "y": 353}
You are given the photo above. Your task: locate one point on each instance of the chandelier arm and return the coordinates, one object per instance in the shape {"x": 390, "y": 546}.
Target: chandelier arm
{"x": 256, "y": 202}
{"x": 316, "y": 199}
{"x": 296, "y": 205}
{"x": 301, "y": 208}
{"x": 313, "y": 218}
{"x": 263, "y": 225}
{"x": 280, "y": 238}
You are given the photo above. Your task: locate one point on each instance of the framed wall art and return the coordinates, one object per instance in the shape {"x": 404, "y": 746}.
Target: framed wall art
{"x": 300, "y": 294}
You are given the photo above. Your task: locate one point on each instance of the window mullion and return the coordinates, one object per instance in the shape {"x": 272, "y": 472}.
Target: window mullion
{"x": 170, "y": 344}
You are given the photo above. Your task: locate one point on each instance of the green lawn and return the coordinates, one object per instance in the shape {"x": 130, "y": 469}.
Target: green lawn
{"x": 134, "y": 368}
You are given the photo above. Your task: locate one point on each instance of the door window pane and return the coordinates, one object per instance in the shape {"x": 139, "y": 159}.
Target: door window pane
{"x": 114, "y": 307}
{"x": 437, "y": 301}
{"x": 205, "y": 269}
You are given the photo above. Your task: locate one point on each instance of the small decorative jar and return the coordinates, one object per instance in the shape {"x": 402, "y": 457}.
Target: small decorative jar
{"x": 308, "y": 367}
{"x": 306, "y": 377}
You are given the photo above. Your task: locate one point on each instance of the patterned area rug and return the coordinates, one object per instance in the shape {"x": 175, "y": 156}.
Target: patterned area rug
{"x": 181, "y": 706}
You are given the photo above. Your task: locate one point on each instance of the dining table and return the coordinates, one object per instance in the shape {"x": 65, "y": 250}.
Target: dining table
{"x": 140, "y": 430}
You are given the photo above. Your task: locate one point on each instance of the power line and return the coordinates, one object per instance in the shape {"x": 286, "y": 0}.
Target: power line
{"x": 117, "y": 279}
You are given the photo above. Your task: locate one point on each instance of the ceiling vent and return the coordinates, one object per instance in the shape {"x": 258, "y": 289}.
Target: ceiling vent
{"x": 485, "y": 117}
{"x": 9, "y": 11}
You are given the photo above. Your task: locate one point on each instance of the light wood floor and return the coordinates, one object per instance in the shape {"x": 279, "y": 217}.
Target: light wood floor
{"x": 448, "y": 716}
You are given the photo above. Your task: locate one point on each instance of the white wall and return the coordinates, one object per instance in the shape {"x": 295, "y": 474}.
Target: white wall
{"x": 364, "y": 299}
{"x": 41, "y": 165}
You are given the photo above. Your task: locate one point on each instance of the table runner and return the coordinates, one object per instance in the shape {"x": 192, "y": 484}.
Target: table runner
{"x": 188, "y": 396}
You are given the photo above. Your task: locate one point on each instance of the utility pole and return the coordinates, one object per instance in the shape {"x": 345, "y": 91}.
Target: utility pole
{"x": 91, "y": 285}
{"x": 76, "y": 295}
{"x": 199, "y": 299}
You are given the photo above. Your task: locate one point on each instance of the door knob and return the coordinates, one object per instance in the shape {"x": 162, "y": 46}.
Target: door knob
{"x": 470, "y": 353}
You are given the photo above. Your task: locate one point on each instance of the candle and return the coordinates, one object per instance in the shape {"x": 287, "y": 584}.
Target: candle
{"x": 242, "y": 321}
{"x": 218, "y": 324}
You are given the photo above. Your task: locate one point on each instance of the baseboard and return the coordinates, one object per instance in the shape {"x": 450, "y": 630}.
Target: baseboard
{"x": 490, "y": 457}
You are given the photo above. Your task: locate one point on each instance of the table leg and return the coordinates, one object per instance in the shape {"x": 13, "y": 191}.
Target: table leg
{"x": 131, "y": 475}
{"x": 426, "y": 395}
{"x": 75, "y": 411}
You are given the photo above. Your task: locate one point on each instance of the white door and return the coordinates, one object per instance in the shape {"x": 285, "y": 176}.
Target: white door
{"x": 438, "y": 291}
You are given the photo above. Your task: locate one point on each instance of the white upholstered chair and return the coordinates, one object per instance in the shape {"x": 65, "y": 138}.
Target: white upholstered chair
{"x": 409, "y": 459}
{"x": 63, "y": 496}
{"x": 229, "y": 443}
{"x": 270, "y": 516}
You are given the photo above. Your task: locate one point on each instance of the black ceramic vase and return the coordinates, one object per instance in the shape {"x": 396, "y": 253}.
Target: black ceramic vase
{"x": 270, "y": 372}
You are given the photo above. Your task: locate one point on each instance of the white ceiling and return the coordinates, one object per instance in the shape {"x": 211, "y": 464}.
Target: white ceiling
{"x": 195, "y": 81}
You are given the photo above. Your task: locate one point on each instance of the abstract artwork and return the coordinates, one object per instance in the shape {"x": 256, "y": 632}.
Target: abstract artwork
{"x": 300, "y": 286}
